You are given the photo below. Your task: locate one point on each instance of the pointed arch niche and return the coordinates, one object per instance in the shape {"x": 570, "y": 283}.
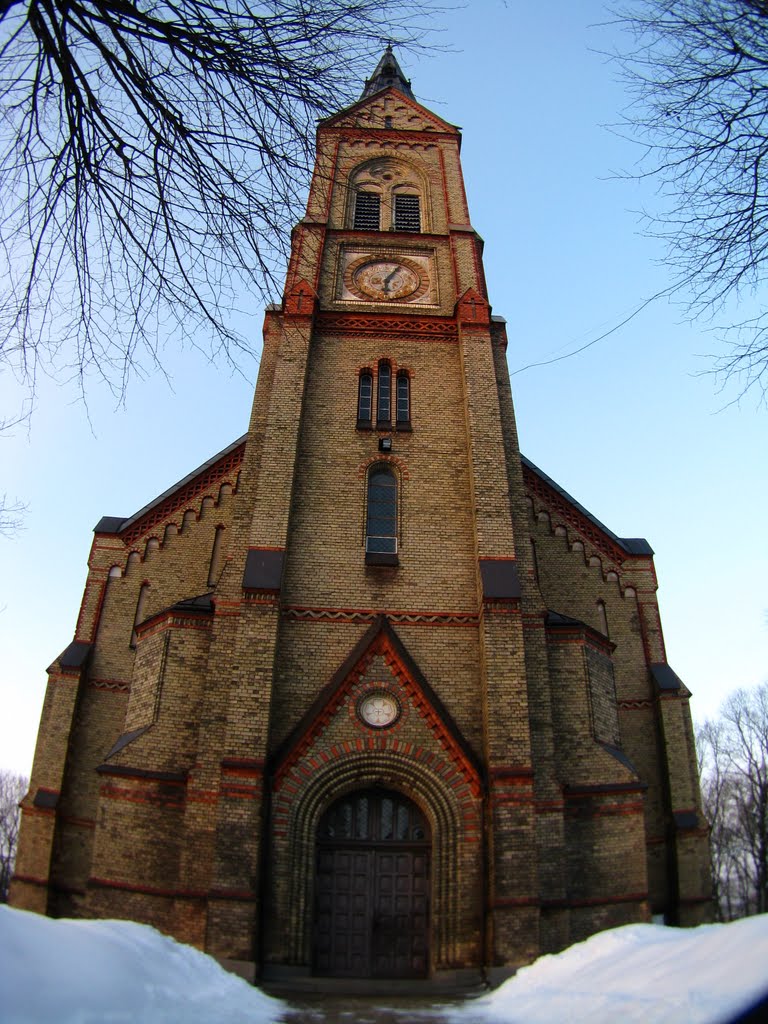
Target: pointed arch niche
{"x": 455, "y": 861}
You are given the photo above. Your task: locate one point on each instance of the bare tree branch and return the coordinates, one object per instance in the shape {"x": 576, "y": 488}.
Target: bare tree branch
{"x": 698, "y": 71}
{"x": 154, "y": 155}
{"x": 12, "y": 789}
{"x": 733, "y": 753}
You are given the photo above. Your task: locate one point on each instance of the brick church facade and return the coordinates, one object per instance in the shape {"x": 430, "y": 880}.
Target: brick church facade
{"x": 368, "y": 694}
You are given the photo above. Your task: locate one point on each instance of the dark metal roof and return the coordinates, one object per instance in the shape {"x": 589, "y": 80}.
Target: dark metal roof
{"x": 109, "y": 524}
{"x": 202, "y": 603}
{"x": 45, "y": 797}
{"x": 125, "y": 739}
{"x": 685, "y": 820}
{"x": 113, "y": 524}
{"x": 499, "y": 578}
{"x": 75, "y": 655}
{"x": 666, "y": 679}
{"x": 632, "y": 545}
{"x": 388, "y": 73}
{"x": 558, "y": 619}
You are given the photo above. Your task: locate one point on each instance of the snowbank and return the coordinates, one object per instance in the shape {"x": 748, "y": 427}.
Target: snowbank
{"x": 642, "y": 972}
{"x": 115, "y": 972}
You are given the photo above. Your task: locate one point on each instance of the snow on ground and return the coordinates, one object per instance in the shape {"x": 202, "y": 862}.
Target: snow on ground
{"x": 116, "y": 972}
{"x": 641, "y": 972}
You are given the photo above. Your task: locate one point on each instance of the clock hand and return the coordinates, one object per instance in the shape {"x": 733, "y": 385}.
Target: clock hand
{"x": 387, "y": 279}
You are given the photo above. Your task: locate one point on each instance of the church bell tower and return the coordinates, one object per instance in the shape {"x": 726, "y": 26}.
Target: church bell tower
{"x": 394, "y": 704}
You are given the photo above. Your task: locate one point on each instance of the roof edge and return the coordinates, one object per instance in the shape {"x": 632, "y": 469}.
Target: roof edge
{"x": 632, "y": 545}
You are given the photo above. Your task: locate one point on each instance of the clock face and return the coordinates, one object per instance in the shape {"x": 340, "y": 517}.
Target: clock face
{"x": 386, "y": 279}
{"x": 378, "y": 710}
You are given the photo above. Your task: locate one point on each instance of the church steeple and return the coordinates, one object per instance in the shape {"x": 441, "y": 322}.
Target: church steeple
{"x": 388, "y": 72}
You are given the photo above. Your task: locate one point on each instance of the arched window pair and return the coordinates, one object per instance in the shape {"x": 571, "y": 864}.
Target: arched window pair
{"x": 384, "y": 398}
{"x": 385, "y": 194}
{"x": 405, "y": 212}
{"x": 381, "y": 516}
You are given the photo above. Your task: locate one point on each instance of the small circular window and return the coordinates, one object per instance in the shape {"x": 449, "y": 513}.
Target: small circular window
{"x": 378, "y": 709}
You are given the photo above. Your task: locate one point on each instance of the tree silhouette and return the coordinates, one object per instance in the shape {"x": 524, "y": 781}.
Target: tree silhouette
{"x": 153, "y": 157}
{"x": 698, "y": 72}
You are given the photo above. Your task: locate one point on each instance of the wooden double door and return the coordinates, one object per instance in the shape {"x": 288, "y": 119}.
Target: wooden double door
{"x": 372, "y": 888}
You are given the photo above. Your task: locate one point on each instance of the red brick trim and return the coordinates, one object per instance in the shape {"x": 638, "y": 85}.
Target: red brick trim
{"x": 171, "y": 618}
{"x": 254, "y": 763}
{"x": 236, "y": 895}
{"x": 38, "y": 812}
{"x": 110, "y": 791}
{"x": 144, "y": 890}
{"x": 31, "y": 880}
{"x": 594, "y": 901}
{"x": 117, "y": 686}
{"x": 306, "y": 613}
{"x": 68, "y": 819}
{"x": 390, "y": 326}
{"x": 555, "y": 503}
{"x": 224, "y": 471}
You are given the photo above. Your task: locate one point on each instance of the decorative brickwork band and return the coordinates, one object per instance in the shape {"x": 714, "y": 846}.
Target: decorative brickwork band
{"x": 417, "y": 328}
{"x": 300, "y": 613}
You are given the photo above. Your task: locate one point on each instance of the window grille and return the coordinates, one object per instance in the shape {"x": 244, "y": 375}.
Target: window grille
{"x": 384, "y": 404}
{"x": 365, "y": 398}
{"x": 403, "y": 399}
{"x": 407, "y": 214}
{"x": 367, "y": 211}
{"x": 381, "y": 523}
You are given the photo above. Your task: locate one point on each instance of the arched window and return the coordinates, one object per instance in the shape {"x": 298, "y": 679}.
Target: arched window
{"x": 387, "y": 194}
{"x": 365, "y": 398}
{"x": 381, "y": 517}
{"x": 407, "y": 215}
{"x": 367, "y": 211}
{"x": 403, "y": 411}
{"x": 384, "y": 402}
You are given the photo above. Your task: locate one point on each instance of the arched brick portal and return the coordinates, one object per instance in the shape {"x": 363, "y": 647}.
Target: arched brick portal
{"x": 456, "y": 875}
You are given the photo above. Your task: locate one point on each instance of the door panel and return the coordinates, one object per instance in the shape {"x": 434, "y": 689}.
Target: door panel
{"x": 400, "y": 920}
{"x": 372, "y": 888}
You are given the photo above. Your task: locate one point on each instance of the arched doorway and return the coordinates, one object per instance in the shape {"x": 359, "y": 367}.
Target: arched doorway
{"x": 372, "y": 888}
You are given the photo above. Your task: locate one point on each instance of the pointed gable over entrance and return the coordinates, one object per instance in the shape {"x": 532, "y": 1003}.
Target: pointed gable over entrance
{"x": 378, "y": 699}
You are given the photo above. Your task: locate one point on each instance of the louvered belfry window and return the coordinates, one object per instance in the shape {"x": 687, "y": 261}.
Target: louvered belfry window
{"x": 367, "y": 211}
{"x": 407, "y": 213}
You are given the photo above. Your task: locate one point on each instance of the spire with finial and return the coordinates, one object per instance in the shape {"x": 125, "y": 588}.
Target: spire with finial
{"x": 388, "y": 72}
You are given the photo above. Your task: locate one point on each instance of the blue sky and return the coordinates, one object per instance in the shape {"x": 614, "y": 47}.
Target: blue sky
{"x": 629, "y": 427}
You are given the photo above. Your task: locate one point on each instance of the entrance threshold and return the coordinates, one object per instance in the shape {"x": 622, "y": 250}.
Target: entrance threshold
{"x": 286, "y": 982}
